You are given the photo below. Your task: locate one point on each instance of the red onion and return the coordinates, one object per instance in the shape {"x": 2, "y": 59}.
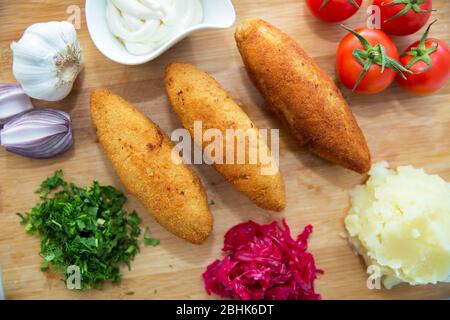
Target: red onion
{"x": 13, "y": 101}
{"x": 38, "y": 134}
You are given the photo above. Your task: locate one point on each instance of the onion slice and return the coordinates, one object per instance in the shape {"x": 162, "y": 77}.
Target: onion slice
{"x": 38, "y": 134}
{"x": 13, "y": 101}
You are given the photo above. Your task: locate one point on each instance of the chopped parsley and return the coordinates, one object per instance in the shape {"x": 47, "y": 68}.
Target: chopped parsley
{"x": 148, "y": 241}
{"x": 84, "y": 227}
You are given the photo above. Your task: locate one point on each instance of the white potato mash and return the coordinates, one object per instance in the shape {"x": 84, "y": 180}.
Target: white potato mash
{"x": 145, "y": 25}
{"x": 400, "y": 222}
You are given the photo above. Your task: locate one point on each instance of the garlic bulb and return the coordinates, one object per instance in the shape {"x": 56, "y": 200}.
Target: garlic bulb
{"x": 47, "y": 60}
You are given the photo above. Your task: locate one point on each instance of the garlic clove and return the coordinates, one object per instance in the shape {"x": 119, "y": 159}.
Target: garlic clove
{"x": 13, "y": 101}
{"x": 47, "y": 60}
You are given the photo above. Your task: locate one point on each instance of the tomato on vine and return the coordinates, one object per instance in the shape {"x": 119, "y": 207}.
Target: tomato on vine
{"x": 403, "y": 17}
{"x": 366, "y": 61}
{"x": 429, "y": 62}
{"x": 333, "y": 10}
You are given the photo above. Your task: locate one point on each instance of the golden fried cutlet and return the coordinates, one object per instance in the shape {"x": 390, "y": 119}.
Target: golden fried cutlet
{"x": 302, "y": 95}
{"x": 141, "y": 156}
{"x": 196, "y": 96}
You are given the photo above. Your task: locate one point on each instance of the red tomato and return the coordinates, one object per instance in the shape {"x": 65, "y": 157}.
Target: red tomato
{"x": 333, "y": 10}
{"x": 349, "y": 69}
{"x": 431, "y": 70}
{"x": 417, "y": 14}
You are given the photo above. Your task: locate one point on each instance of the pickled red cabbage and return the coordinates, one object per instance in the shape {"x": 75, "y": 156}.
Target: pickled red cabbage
{"x": 264, "y": 262}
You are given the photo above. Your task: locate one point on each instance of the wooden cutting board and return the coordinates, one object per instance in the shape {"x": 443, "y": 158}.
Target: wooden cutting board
{"x": 400, "y": 128}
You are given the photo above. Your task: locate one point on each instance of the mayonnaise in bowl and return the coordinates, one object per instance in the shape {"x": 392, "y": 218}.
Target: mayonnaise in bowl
{"x": 145, "y": 25}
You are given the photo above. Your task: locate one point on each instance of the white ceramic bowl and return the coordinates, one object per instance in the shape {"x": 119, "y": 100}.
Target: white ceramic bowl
{"x": 217, "y": 14}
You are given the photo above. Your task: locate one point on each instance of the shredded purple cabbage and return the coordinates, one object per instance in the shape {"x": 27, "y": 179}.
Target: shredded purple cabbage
{"x": 264, "y": 263}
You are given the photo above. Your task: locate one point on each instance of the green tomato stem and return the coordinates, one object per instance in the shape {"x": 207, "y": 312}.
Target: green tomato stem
{"x": 421, "y": 53}
{"x": 324, "y": 3}
{"x": 409, "y": 4}
{"x": 373, "y": 55}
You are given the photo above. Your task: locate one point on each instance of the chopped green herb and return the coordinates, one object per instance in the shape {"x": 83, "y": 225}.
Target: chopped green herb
{"x": 83, "y": 227}
{"x": 148, "y": 241}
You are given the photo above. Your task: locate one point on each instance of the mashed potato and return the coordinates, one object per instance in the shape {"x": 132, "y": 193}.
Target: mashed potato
{"x": 400, "y": 222}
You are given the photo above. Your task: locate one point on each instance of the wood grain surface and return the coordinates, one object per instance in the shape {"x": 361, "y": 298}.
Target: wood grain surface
{"x": 400, "y": 128}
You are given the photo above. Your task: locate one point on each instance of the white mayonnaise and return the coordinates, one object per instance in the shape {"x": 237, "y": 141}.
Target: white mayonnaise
{"x": 145, "y": 25}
